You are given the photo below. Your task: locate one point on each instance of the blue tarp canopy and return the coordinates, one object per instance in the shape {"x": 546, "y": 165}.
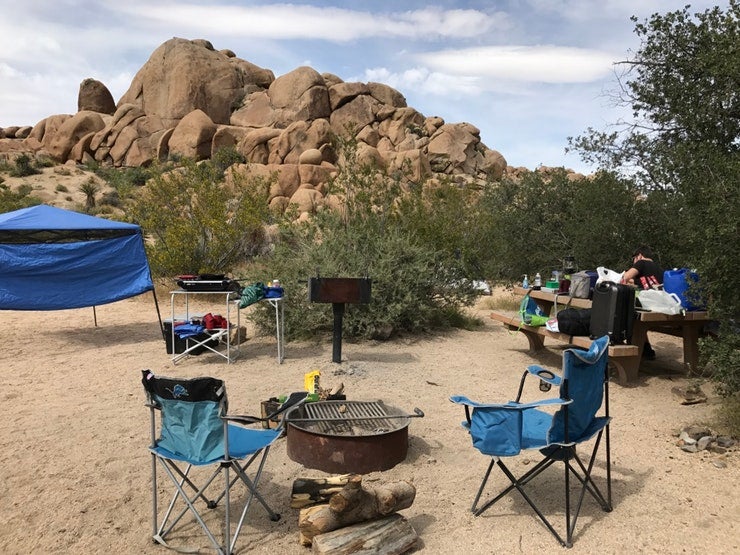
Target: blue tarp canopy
{"x": 53, "y": 259}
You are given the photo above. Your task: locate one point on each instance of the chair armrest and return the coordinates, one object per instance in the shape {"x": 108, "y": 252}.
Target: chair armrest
{"x": 510, "y": 405}
{"x": 292, "y": 401}
{"x": 545, "y": 375}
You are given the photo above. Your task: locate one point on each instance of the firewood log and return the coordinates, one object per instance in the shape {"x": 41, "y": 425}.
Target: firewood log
{"x": 355, "y": 503}
{"x": 390, "y": 535}
{"x": 310, "y": 491}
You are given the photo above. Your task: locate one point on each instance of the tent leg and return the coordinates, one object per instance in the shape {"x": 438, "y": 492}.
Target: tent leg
{"x": 95, "y": 316}
{"x": 159, "y": 314}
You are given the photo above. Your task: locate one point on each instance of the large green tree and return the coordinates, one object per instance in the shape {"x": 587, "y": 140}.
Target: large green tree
{"x": 681, "y": 146}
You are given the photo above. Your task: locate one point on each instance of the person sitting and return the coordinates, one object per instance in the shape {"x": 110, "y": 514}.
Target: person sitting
{"x": 644, "y": 274}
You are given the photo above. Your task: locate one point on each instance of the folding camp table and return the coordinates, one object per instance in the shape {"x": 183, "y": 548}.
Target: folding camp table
{"x": 217, "y": 340}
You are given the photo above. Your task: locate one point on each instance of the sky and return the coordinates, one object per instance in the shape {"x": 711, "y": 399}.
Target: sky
{"x": 527, "y": 73}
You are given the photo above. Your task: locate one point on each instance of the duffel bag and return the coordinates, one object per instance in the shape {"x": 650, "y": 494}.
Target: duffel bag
{"x": 574, "y": 321}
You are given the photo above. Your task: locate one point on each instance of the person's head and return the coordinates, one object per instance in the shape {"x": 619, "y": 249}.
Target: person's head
{"x": 642, "y": 252}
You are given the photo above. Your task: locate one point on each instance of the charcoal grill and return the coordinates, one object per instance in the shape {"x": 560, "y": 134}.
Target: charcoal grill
{"x": 348, "y": 436}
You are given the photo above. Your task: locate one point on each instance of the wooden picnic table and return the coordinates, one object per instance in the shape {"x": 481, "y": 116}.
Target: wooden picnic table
{"x": 627, "y": 357}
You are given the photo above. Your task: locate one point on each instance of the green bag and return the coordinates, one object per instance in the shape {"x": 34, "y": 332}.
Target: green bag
{"x": 251, "y": 294}
{"x": 530, "y": 312}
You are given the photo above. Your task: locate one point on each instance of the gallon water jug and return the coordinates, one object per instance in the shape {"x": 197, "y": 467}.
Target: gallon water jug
{"x": 678, "y": 281}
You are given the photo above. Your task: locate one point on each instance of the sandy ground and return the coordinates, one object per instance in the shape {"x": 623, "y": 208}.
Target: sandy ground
{"x": 75, "y": 471}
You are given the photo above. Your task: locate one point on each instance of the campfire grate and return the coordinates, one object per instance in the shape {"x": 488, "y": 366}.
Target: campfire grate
{"x": 349, "y": 418}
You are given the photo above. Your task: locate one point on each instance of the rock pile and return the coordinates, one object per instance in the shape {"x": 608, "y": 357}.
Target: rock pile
{"x": 694, "y": 439}
{"x": 191, "y": 100}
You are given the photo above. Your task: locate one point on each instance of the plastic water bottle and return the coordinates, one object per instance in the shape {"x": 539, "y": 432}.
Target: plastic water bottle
{"x": 525, "y": 282}
{"x": 537, "y": 280}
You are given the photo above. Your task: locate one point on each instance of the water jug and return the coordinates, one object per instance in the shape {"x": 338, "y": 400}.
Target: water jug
{"x": 678, "y": 281}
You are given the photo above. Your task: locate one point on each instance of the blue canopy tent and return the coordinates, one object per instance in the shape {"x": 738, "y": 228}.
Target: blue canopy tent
{"x": 54, "y": 259}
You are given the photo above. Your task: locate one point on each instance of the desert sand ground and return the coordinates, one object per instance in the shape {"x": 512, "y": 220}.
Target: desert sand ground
{"x": 75, "y": 471}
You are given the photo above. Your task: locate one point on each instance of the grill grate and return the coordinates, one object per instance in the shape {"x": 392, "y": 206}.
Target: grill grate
{"x": 350, "y": 418}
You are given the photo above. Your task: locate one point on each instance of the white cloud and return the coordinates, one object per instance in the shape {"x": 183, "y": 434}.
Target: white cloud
{"x": 543, "y": 64}
{"x": 425, "y": 81}
{"x": 291, "y": 21}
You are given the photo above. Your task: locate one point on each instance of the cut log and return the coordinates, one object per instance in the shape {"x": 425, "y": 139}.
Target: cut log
{"x": 355, "y": 503}
{"x": 390, "y": 535}
{"x": 310, "y": 491}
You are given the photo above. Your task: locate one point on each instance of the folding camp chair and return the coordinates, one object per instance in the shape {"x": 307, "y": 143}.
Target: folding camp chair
{"x": 504, "y": 430}
{"x": 195, "y": 431}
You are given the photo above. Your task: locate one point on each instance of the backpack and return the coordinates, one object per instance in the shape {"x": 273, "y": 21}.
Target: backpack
{"x": 574, "y": 321}
{"x": 530, "y": 312}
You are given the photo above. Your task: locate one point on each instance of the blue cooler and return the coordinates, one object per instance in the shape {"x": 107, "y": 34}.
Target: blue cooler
{"x": 679, "y": 281}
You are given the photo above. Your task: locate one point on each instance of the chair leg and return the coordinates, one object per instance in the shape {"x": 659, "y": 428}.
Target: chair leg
{"x": 189, "y": 505}
{"x": 573, "y": 466}
{"x": 481, "y": 488}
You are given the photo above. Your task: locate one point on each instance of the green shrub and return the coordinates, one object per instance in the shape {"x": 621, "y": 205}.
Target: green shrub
{"x": 419, "y": 280}
{"x": 126, "y": 180}
{"x": 531, "y": 224}
{"x": 197, "y": 224}
{"x": 24, "y": 167}
{"x": 15, "y": 200}
{"x": 223, "y": 158}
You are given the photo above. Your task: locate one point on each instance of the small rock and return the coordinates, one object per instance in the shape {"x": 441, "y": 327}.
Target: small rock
{"x": 696, "y": 432}
{"x": 724, "y": 441}
{"x": 689, "y": 395}
{"x": 690, "y": 448}
{"x": 703, "y": 442}
{"x": 717, "y": 449}
{"x": 686, "y": 439}
{"x": 720, "y": 464}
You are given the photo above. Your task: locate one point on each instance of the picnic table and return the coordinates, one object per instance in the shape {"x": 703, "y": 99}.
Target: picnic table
{"x": 626, "y": 358}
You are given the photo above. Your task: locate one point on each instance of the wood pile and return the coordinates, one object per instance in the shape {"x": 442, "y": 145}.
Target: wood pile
{"x": 341, "y": 515}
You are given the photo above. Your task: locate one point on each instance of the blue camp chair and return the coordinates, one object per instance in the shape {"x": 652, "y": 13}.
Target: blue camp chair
{"x": 194, "y": 430}
{"x": 504, "y": 430}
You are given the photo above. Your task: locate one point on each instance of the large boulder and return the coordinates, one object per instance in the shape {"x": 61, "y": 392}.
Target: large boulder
{"x": 185, "y": 75}
{"x": 299, "y": 137}
{"x": 191, "y": 100}
{"x": 193, "y": 136}
{"x": 94, "y": 96}
{"x": 299, "y": 95}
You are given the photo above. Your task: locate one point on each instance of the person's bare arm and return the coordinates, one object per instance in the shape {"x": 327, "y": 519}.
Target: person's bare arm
{"x": 629, "y": 276}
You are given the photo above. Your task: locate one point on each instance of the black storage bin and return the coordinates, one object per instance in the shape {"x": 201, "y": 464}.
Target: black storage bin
{"x": 180, "y": 344}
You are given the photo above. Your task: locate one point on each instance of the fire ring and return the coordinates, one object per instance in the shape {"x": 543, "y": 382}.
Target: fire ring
{"x": 342, "y": 437}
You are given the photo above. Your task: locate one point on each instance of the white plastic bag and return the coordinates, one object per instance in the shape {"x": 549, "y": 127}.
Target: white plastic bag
{"x": 605, "y": 274}
{"x": 655, "y": 300}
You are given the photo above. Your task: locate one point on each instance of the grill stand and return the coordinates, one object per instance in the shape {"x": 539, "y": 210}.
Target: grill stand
{"x": 336, "y": 342}
{"x": 338, "y": 292}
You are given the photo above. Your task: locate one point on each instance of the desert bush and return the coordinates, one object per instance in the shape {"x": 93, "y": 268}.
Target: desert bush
{"x": 24, "y": 167}
{"x": 224, "y": 158}
{"x": 14, "y": 200}
{"x": 383, "y": 232}
{"x": 194, "y": 223}
{"x": 126, "y": 180}
{"x": 530, "y": 224}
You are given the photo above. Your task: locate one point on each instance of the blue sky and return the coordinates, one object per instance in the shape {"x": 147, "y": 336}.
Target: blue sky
{"x": 527, "y": 73}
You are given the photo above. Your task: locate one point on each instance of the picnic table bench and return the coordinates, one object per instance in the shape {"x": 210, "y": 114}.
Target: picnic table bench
{"x": 626, "y": 358}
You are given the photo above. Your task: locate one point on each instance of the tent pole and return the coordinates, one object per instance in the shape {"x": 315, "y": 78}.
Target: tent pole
{"x": 159, "y": 315}
{"x": 95, "y": 317}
